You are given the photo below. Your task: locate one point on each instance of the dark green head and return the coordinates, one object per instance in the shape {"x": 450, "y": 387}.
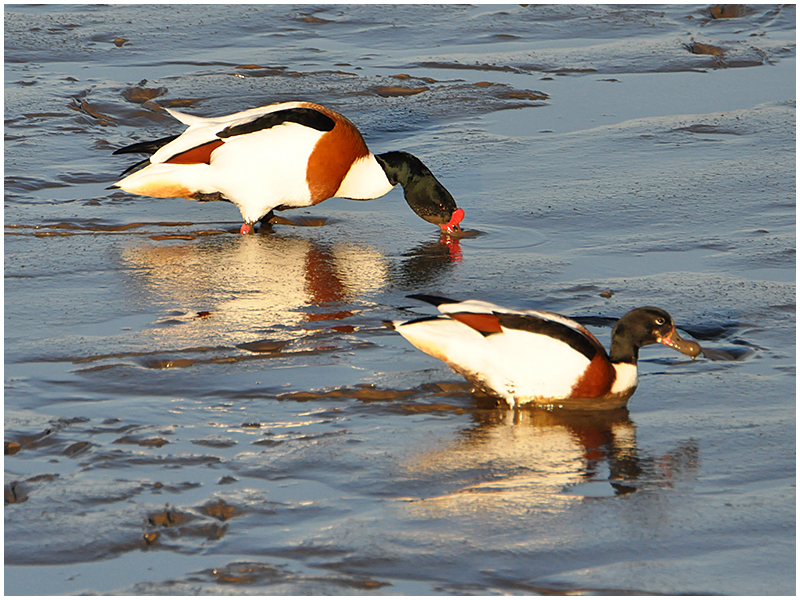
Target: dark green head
{"x": 423, "y": 192}
{"x": 643, "y": 326}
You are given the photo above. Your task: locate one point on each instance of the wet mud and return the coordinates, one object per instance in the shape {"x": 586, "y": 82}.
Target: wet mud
{"x": 192, "y": 411}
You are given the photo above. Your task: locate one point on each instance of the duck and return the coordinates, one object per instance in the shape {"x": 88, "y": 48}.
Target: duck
{"x": 279, "y": 156}
{"x": 540, "y": 358}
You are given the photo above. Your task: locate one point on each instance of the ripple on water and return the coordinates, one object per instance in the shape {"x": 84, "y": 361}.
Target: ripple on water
{"x": 195, "y": 393}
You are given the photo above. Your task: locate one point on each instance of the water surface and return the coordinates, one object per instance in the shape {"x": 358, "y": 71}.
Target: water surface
{"x": 194, "y": 411}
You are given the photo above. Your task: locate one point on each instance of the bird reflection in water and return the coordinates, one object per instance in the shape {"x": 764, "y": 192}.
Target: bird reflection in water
{"x": 515, "y": 462}
{"x": 273, "y": 281}
{"x": 427, "y": 263}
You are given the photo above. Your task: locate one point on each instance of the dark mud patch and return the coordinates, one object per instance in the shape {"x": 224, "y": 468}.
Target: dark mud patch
{"x": 265, "y": 577}
{"x": 14, "y": 493}
{"x": 700, "y": 48}
{"x": 215, "y": 442}
{"x": 77, "y": 448}
{"x": 98, "y": 227}
{"x": 93, "y": 110}
{"x": 262, "y": 346}
{"x": 425, "y": 398}
{"x": 140, "y": 95}
{"x": 729, "y": 11}
{"x": 221, "y": 510}
{"x": 47, "y": 438}
{"x": 149, "y": 442}
{"x": 395, "y": 91}
{"x": 299, "y": 221}
{"x": 365, "y": 393}
{"x": 11, "y": 448}
{"x": 325, "y": 341}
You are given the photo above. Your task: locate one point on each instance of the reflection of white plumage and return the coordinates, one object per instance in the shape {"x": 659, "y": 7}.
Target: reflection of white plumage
{"x": 250, "y": 284}
{"x": 284, "y": 155}
{"x": 510, "y": 465}
{"x": 539, "y": 357}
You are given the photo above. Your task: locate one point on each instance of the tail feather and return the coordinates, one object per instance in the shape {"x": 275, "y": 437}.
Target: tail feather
{"x": 146, "y": 147}
{"x": 419, "y": 320}
{"x": 435, "y": 300}
{"x": 165, "y": 180}
{"x": 184, "y": 118}
{"x": 133, "y": 167}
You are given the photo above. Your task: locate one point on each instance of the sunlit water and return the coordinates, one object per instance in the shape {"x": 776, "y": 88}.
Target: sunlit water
{"x": 202, "y": 412}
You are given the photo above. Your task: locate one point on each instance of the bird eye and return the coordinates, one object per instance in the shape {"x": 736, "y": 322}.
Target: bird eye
{"x": 660, "y": 321}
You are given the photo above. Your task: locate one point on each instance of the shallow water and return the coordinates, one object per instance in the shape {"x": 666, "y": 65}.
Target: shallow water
{"x": 194, "y": 411}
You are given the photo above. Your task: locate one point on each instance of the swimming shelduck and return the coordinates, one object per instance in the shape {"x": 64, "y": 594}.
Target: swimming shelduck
{"x": 540, "y": 357}
{"x": 283, "y": 155}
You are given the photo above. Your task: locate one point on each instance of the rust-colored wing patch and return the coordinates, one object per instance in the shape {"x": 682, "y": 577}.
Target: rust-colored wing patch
{"x": 197, "y": 155}
{"x": 486, "y": 324}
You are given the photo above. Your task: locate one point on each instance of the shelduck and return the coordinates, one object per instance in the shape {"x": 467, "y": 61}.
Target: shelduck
{"x": 540, "y": 357}
{"x": 279, "y": 156}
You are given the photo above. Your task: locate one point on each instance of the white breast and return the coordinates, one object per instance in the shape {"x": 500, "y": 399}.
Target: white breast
{"x": 627, "y": 378}
{"x": 364, "y": 181}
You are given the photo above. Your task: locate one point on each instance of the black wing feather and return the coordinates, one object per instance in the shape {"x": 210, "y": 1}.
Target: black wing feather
{"x": 308, "y": 117}
{"x": 554, "y": 329}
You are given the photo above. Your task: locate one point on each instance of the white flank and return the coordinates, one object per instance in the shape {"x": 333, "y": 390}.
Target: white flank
{"x": 535, "y": 366}
{"x": 516, "y": 365}
{"x": 261, "y": 170}
{"x": 256, "y": 171}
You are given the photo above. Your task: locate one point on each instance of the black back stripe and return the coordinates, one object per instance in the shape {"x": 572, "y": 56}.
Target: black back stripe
{"x": 533, "y": 324}
{"x": 308, "y": 117}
